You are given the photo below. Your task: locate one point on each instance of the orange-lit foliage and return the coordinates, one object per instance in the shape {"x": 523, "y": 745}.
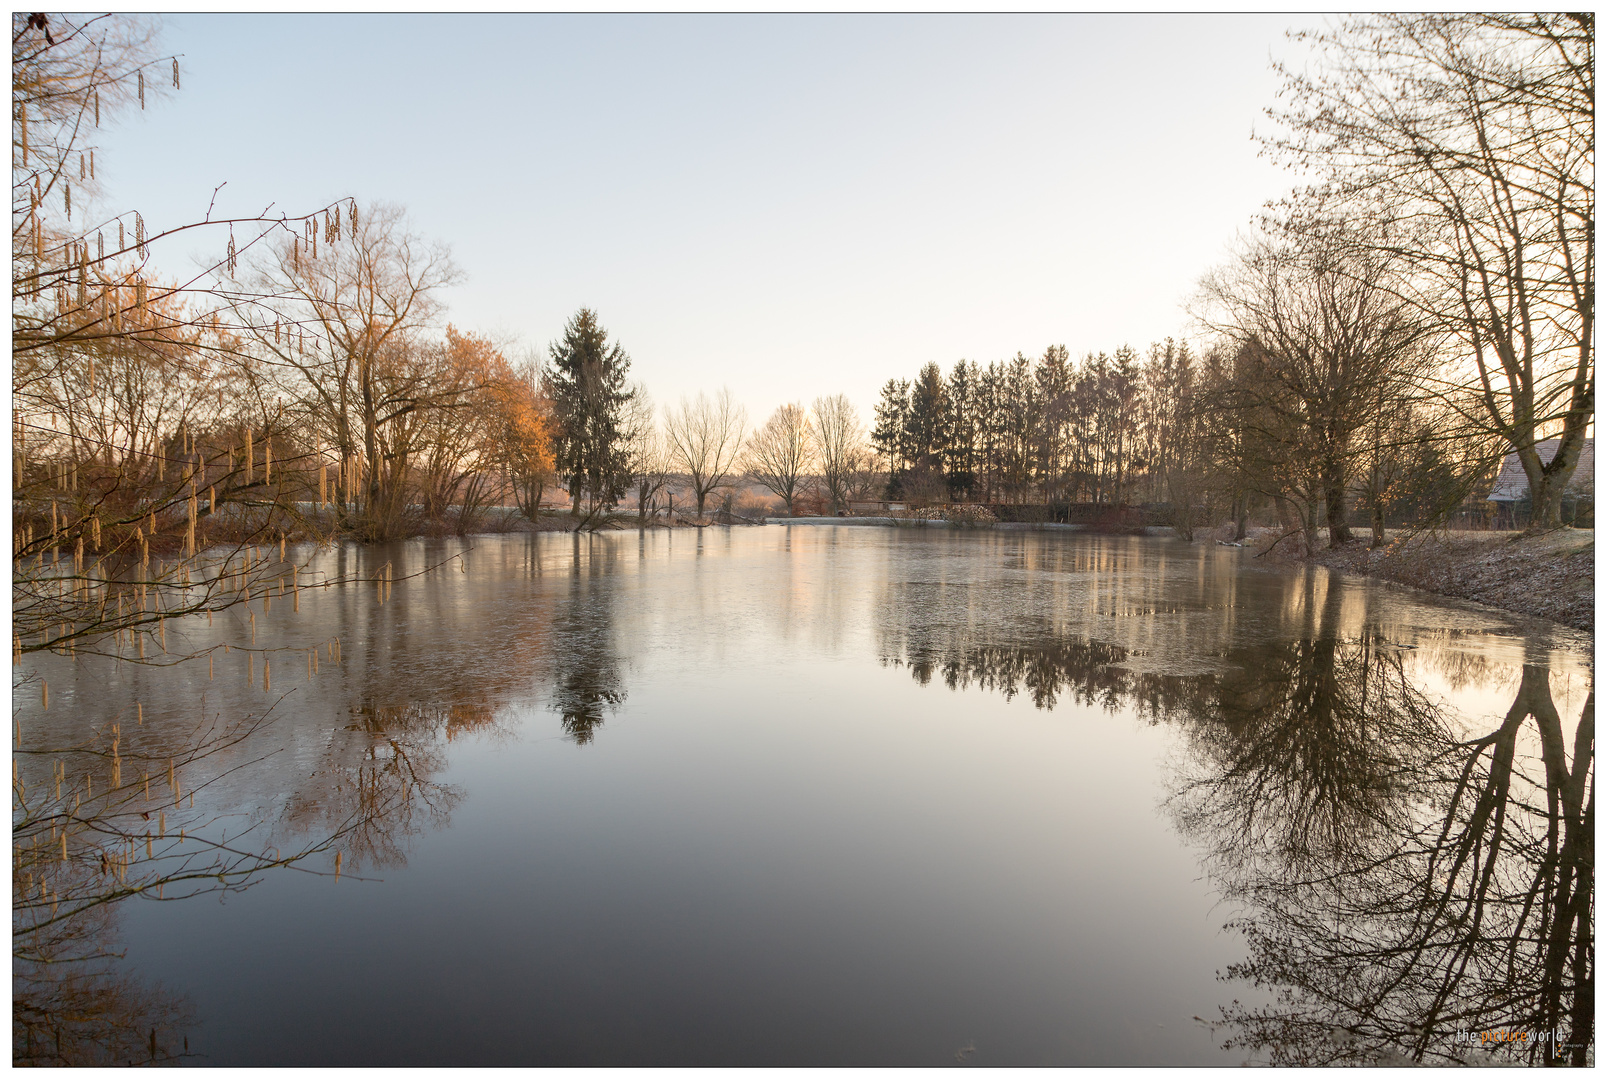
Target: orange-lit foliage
{"x": 494, "y": 436}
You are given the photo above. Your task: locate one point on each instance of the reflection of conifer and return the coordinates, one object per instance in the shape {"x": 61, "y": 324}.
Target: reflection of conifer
{"x": 585, "y": 693}
{"x": 1089, "y": 672}
{"x": 587, "y": 682}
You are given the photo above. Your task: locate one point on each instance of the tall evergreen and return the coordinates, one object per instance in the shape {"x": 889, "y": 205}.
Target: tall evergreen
{"x": 587, "y": 382}
{"x": 960, "y": 455}
{"x": 890, "y": 436}
{"x": 925, "y": 426}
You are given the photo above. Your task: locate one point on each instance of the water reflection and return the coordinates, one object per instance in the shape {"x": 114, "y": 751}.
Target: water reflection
{"x": 1308, "y": 751}
{"x": 1398, "y": 874}
{"x": 1084, "y": 670}
{"x": 1412, "y": 889}
{"x": 587, "y": 682}
{"x": 87, "y": 1013}
{"x": 377, "y": 786}
{"x": 1474, "y": 919}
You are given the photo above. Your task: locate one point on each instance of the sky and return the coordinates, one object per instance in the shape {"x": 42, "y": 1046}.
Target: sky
{"x": 788, "y": 206}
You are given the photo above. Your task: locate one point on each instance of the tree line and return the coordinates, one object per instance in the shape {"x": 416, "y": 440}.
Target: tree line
{"x": 1380, "y": 341}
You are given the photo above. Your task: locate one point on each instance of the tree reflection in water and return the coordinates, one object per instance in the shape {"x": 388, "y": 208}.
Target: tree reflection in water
{"x": 381, "y": 780}
{"x": 75, "y": 1009}
{"x": 1406, "y": 889}
{"x": 374, "y": 787}
{"x": 587, "y": 681}
{"x": 373, "y": 790}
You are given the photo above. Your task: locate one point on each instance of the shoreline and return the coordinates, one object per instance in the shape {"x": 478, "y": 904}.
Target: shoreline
{"x": 1550, "y": 576}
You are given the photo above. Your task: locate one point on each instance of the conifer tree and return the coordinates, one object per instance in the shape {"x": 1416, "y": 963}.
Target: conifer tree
{"x": 588, "y": 386}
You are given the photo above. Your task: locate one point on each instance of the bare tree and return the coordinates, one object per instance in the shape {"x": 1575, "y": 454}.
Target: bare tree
{"x": 781, "y": 452}
{"x": 840, "y": 439}
{"x": 139, "y": 429}
{"x": 364, "y": 292}
{"x": 1326, "y": 345}
{"x": 650, "y": 457}
{"x": 1471, "y": 140}
{"x": 706, "y": 437}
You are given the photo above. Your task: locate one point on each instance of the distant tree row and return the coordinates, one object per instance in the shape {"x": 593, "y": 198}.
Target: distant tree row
{"x": 1389, "y": 332}
{"x": 1103, "y": 430}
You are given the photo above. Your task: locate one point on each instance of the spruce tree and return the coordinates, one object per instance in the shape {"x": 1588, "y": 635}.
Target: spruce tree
{"x": 587, "y": 382}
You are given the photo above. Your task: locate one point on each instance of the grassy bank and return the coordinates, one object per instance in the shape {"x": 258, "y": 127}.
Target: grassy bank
{"x": 1552, "y": 576}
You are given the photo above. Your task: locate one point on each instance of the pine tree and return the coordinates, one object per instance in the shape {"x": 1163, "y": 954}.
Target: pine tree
{"x": 588, "y": 386}
{"x": 927, "y": 413}
{"x": 889, "y": 437}
{"x": 961, "y": 424}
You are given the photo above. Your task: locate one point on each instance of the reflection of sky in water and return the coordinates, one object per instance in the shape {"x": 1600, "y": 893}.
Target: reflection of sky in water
{"x": 775, "y": 846}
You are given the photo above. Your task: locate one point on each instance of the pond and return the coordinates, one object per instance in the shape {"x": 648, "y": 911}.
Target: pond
{"x": 855, "y": 796}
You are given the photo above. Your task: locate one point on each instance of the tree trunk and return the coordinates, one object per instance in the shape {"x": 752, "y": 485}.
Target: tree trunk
{"x": 1549, "y": 480}
{"x": 1333, "y": 494}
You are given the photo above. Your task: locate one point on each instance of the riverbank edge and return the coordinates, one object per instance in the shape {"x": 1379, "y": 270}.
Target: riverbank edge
{"x": 939, "y": 523}
{"x": 1549, "y": 576}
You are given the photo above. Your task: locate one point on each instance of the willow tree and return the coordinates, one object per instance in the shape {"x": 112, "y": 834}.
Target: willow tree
{"x": 351, "y": 295}
{"x": 840, "y": 443}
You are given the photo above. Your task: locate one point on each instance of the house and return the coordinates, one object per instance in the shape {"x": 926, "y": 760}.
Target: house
{"x": 1509, "y": 495}
{"x": 1512, "y": 485}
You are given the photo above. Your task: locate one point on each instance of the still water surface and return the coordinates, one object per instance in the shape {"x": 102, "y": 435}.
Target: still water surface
{"x": 830, "y": 796}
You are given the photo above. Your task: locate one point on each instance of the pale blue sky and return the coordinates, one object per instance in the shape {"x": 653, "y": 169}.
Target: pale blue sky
{"x": 788, "y": 205}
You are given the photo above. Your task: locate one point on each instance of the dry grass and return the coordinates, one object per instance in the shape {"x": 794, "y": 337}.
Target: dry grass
{"x": 1552, "y": 576}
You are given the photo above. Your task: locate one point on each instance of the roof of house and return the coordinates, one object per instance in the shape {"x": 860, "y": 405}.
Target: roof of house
{"x": 1512, "y": 485}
